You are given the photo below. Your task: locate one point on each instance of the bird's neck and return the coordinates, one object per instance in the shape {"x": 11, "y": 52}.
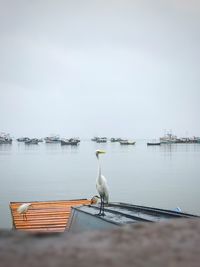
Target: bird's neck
{"x": 99, "y": 169}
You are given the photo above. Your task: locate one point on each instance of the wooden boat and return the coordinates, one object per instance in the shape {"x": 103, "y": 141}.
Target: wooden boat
{"x": 117, "y": 214}
{"x": 127, "y": 142}
{"x": 44, "y": 216}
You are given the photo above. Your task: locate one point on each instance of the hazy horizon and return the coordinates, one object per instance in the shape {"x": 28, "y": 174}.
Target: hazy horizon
{"x": 107, "y": 68}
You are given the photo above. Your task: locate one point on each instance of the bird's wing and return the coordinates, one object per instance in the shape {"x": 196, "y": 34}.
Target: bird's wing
{"x": 102, "y": 188}
{"x": 106, "y": 194}
{"x": 106, "y": 190}
{"x": 23, "y": 207}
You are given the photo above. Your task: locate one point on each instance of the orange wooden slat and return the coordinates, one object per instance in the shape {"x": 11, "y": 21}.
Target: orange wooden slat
{"x": 45, "y": 216}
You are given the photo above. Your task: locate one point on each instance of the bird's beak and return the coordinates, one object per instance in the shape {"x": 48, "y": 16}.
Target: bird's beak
{"x": 101, "y": 152}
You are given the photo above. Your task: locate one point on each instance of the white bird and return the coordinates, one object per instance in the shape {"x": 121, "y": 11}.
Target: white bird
{"x": 101, "y": 185}
{"x": 23, "y": 208}
{"x": 95, "y": 200}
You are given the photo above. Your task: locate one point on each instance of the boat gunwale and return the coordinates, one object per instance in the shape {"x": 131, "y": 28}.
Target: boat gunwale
{"x": 155, "y": 210}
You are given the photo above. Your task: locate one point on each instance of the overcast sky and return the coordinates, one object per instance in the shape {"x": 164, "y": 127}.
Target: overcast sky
{"x": 128, "y": 68}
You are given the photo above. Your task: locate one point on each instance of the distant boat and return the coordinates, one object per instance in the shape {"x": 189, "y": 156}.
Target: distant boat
{"x": 115, "y": 139}
{"x": 5, "y": 141}
{"x": 187, "y": 140}
{"x": 33, "y": 141}
{"x": 23, "y": 139}
{"x": 168, "y": 138}
{"x": 5, "y": 138}
{"x": 153, "y": 144}
{"x": 95, "y": 138}
{"x": 101, "y": 140}
{"x": 52, "y": 139}
{"x": 71, "y": 141}
{"x": 127, "y": 142}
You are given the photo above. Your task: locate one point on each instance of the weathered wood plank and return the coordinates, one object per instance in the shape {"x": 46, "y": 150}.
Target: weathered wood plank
{"x": 45, "y": 216}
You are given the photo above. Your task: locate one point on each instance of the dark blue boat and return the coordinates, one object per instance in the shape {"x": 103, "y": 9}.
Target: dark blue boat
{"x": 117, "y": 214}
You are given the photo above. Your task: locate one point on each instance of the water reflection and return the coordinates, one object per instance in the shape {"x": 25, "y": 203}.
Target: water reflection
{"x": 5, "y": 148}
{"x": 70, "y": 148}
{"x": 52, "y": 145}
{"x": 179, "y": 147}
{"x": 23, "y": 148}
{"x": 31, "y": 147}
{"x": 136, "y": 173}
{"x": 100, "y": 144}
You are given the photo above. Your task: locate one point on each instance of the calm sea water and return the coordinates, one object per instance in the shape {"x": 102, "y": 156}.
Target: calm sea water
{"x": 163, "y": 176}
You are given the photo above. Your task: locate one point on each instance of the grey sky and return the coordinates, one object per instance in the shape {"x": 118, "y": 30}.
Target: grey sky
{"x": 112, "y": 68}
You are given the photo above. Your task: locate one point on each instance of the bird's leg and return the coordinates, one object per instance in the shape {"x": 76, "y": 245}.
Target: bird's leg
{"x": 102, "y": 214}
{"x": 24, "y": 217}
{"x": 101, "y": 206}
{"x": 99, "y": 214}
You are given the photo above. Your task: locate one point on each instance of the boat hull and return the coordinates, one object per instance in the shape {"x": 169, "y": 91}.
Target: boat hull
{"x": 127, "y": 143}
{"x": 72, "y": 143}
{"x": 153, "y": 144}
{"x": 117, "y": 214}
{"x": 81, "y": 221}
